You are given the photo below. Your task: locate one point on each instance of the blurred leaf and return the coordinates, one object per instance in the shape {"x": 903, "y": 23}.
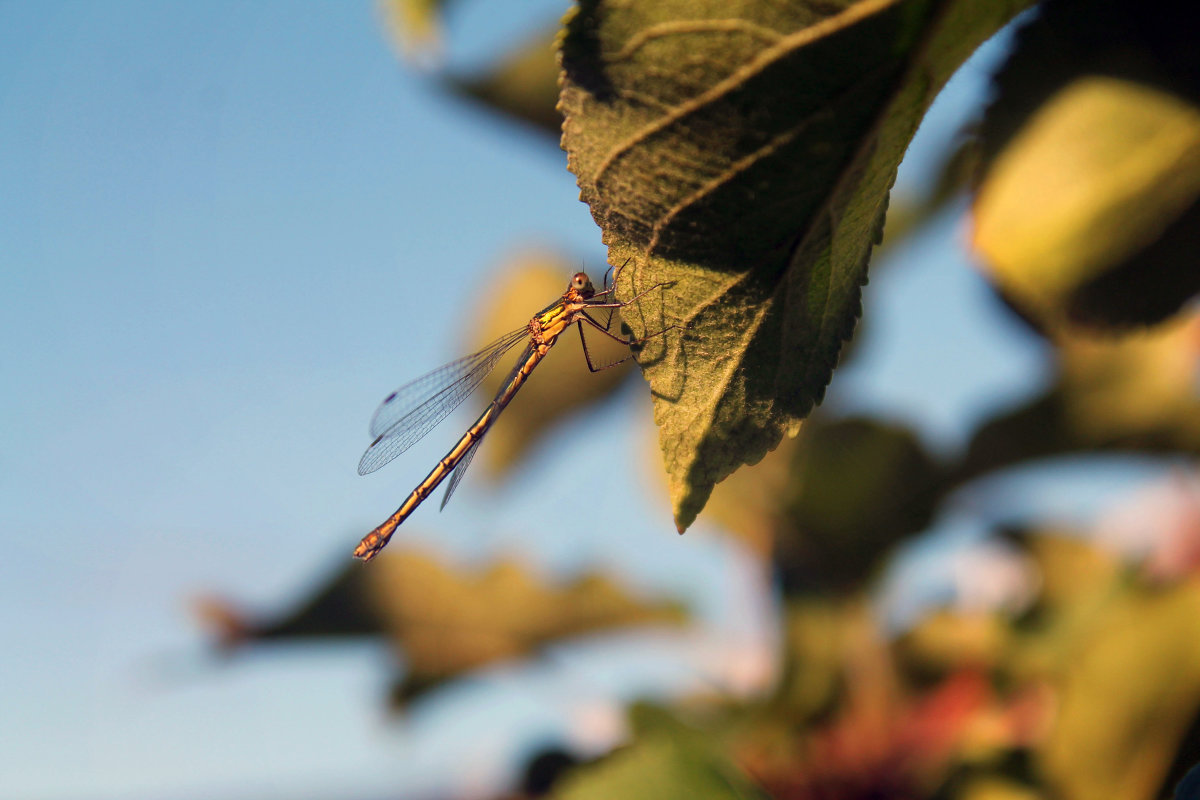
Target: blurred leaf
{"x": 997, "y": 788}
{"x": 1097, "y": 176}
{"x": 848, "y": 723}
{"x": 1090, "y": 208}
{"x": 945, "y": 642}
{"x": 523, "y": 84}
{"x": 1127, "y": 697}
{"x": 448, "y": 621}
{"x": 1078, "y": 583}
{"x": 341, "y": 607}
{"x": 857, "y": 487}
{"x": 817, "y": 635}
{"x": 668, "y": 761}
{"x": 742, "y": 153}
{"x": 1138, "y": 393}
{"x": 1143, "y": 386}
{"x": 415, "y": 26}
{"x": 562, "y": 383}
{"x": 1073, "y": 570}
{"x": 829, "y": 503}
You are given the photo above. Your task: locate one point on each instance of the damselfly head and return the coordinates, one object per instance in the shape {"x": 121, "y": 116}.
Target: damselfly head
{"x": 581, "y": 283}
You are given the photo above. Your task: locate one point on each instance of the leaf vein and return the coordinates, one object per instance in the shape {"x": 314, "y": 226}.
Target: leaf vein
{"x": 739, "y": 76}
{"x": 678, "y": 28}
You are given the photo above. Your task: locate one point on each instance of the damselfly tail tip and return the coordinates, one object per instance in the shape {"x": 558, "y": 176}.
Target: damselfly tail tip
{"x": 369, "y": 547}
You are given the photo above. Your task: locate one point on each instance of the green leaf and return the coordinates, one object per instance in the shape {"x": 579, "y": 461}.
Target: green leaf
{"x": 668, "y": 762}
{"x": 1089, "y": 212}
{"x": 740, "y": 154}
{"x": 857, "y": 488}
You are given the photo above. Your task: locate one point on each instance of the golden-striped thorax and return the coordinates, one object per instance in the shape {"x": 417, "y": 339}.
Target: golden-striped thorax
{"x": 549, "y": 325}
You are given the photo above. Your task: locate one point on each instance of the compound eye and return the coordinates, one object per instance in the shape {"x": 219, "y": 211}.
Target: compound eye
{"x": 580, "y": 281}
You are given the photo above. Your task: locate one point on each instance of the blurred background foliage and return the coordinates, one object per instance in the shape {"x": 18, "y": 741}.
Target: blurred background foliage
{"x": 1055, "y": 661}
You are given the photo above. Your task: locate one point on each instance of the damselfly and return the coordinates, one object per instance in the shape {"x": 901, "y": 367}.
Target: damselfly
{"x": 413, "y": 410}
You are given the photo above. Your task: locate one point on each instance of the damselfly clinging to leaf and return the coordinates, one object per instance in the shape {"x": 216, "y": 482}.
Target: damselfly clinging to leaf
{"x": 412, "y": 411}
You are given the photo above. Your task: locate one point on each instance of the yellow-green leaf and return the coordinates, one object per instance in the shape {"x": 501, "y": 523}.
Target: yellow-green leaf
{"x": 668, "y": 761}
{"x": 1089, "y": 209}
{"x": 1097, "y": 175}
{"x": 1126, "y": 698}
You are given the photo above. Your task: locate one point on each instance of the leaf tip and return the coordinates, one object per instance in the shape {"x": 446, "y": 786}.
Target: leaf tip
{"x": 684, "y": 517}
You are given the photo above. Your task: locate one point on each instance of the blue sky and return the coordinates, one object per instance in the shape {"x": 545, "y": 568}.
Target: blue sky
{"x": 226, "y": 231}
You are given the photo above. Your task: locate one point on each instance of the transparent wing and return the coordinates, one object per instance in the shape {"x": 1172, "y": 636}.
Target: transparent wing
{"x": 460, "y": 469}
{"x": 413, "y": 410}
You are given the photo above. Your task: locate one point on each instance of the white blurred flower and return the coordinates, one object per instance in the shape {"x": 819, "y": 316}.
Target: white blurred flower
{"x": 1157, "y": 526}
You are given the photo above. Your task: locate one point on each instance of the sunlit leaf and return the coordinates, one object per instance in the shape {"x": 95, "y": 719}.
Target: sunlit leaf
{"x": 741, "y": 153}
{"x": 1099, "y": 174}
{"x": 1089, "y": 211}
{"x": 1127, "y": 697}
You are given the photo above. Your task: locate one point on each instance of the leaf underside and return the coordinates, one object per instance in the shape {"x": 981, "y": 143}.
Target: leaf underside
{"x": 740, "y": 154}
